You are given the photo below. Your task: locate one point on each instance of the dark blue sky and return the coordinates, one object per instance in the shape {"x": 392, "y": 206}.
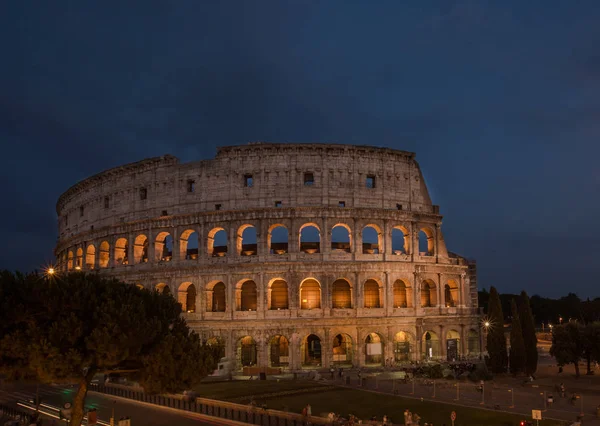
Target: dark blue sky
{"x": 500, "y": 101}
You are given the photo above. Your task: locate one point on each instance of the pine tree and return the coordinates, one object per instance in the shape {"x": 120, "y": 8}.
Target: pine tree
{"x": 518, "y": 356}
{"x": 496, "y": 341}
{"x": 529, "y": 337}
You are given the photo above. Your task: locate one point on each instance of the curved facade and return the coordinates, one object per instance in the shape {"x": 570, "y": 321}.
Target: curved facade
{"x": 285, "y": 255}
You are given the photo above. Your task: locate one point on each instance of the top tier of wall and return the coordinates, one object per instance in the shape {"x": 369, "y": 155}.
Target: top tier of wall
{"x": 277, "y": 171}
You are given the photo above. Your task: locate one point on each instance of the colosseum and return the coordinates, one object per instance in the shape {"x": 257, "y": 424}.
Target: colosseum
{"x": 291, "y": 256}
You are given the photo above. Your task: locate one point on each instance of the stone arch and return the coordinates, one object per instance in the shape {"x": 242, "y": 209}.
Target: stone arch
{"x": 372, "y": 294}
{"x": 246, "y": 295}
{"x": 310, "y": 238}
{"x": 163, "y": 247}
{"x": 428, "y": 294}
{"x": 403, "y": 347}
{"x": 371, "y": 239}
{"x": 121, "y": 252}
{"x": 188, "y": 245}
{"x": 247, "y": 352}
{"x": 163, "y": 288}
{"x": 216, "y": 297}
{"x": 374, "y": 349}
{"x": 431, "y": 347}
{"x": 140, "y": 249}
{"x": 310, "y": 351}
{"x": 104, "y": 254}
{"x": 217, "y": 346}
{"x": 187, "y": 297}
{"x": 400, "y": 240}
{"x": 246, "y": 240}
{"x": 426, "y": 241}
{"x": 452, "y": 345}
{"x": 310, "y": 294}
{"x": 343, "y": 349}
{"x": 472, "y": 342}
{"x": 79, "y": 258}
{"x": 451, "y": 294}
{"x": 277, "y": 239}
{"x": 216, "y": 243}
{"x": 278, "y": 294}
{"x": 70, "y": 260}
{"x": 279, "y": 351}
{"x": 402, "y": 294}
{"x": 90, "y": 256}
{"x": 341, "y": 294}
{"x": 341, "y": 238}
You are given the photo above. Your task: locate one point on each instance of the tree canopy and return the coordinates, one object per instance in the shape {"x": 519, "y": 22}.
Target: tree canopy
{"x": 496, "y": 341}
{"x": 68, "y": 328}
{"x": 529, "y": 337}
{"x": 517, "y": 345}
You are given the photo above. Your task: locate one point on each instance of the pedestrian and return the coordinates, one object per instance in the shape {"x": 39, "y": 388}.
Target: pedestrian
{"x": 416, "y": 419}
{"x": 406, "y": 417}
{"x": 385, "y": 420}
{"x": 308, "y": 410}
{"x": 332, "y": 371}
{"x": 410, "y": 419}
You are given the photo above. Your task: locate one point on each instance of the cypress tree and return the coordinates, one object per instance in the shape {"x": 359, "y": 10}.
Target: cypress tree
{"x": 518, "y": 355}
{"x": 529, "y": 337}
{"x": 496, "y": 342}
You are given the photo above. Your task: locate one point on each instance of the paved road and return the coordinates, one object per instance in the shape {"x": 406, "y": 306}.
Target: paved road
{"x": 140, "y": 414}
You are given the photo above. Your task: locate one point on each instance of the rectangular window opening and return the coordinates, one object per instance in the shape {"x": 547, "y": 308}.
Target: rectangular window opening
{"x": 143, "y": 193}
{"x": 106, "y": 202}
{"x": 399, "y": 206}
{"x": 309, "y": 179}
{"x": 217, "y": 207}
{"x": 81, "y": 210}
{"x": 164, "y": 213}
{"x": 277, "y": 203}
{"x": 191, "y": 185}
{"x": 370, "y": 181}
{"x": 342, "y": 204}
{"x": 248, "y": 181}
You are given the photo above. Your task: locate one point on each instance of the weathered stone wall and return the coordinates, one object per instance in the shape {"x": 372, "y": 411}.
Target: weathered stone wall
{"x": 107, "y": 223}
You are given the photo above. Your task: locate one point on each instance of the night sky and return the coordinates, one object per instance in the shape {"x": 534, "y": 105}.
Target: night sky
{"x": 500, "y": 101}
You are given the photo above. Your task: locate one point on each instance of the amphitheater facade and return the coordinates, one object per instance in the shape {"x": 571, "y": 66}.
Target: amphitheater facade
{"x": 283, "y": 255}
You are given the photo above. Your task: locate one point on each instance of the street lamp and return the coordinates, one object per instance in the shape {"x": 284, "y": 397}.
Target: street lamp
{"x": 486, "y": 325}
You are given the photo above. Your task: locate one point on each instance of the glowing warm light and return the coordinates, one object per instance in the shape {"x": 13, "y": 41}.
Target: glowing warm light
{"x": 304, "y": 300}
{"x": 78, "y": 268}
{"x": 487, "y": 323}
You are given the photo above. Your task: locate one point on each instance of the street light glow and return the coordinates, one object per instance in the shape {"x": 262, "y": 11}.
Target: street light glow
{"x": 487, "y": 323}
{"x": 50, "y": 271}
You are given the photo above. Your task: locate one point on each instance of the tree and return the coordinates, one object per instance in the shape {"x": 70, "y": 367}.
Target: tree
{"x": 73, "y": 327}
{"x": 567, "y": 344}
{"x": 496, "y": 341}
{"x": 517, "y": 345}
{"x": 529, "y": 337}
{"x": 591, "y": 344}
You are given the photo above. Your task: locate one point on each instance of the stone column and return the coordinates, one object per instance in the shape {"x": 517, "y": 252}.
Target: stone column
{"x": 326, "y": 349}
{"x": 262, "y": 239}
{"x": 443, "y": 351}
{"x": 130, "y": 251}
{"x": 358, "y": 299}
{"x": 261, "y": 303}
{"x": 200, "y": 229}
{"x": 386, "y": 238}
{"x": 230, "y": 302}
{"x": 325, "y": 240}
{"x": 441, "y": 291}
{"x": 175, "y": 249}
{"x": 416, "y": 291}
{"x": 151, "y": 251}
{"x": 438, "y": 232}
{"x": 463, "y": 341}
{"x": 357, "y": 243}
{"x": 232, "y": 242}
{"x": 414, "y": 241}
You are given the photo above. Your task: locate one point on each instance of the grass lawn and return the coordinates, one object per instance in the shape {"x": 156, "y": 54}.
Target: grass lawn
{"x": 241, "y": 390}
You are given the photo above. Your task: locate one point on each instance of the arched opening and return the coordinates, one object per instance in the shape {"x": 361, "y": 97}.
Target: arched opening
{"x": 278, "y": 239}
{"x": 472, "y": 343}
{"x": 121, "y": 252}
{"x": 279, "y": 295}
{"x": 310, "y": 238}
{"x": 187, "y": 297}
{"x": 340, "y": 238}
{"x": 90, "y": 257}
{"x": 373, "y": 349}
{"x": 140, "y": 249}
{"x": 248, "y": 296}
{"x": 371, "y": 239}
{"x": 79, "y": 258}
{"x": 428, "y": 294}
{"x": 400, "y": 240}
{"x": 279, "y": 351}
{"x": 163, "y": 247}
{"x": 247, "y": 351}
{"x": 104, "y": 254}
{"x": 451, "y": 294}
{"x": 218, "y": 299}
{"x": 372, "y": 294}
{"x": 452, "y": 345}
{"x": 310, "y": 294}
{"x": 342, "y": 349}
{"x": 401, "y": 295}
{"x": 431, "y": 345}
{"x": 341, "y": 294}
{"x": 217, "y": 242}
{"x": 188, "y": 245}
{"x": 402, "y": 347}
{"x": 311, "y": 351}
{"x": 70, "y": 261}
{"x": 217, "y": 347}
{"x": 426, "y": 242}
{"x": 140, "y": 286}
{"x": 246, "y": 240}
{"x": 162, "y": 288}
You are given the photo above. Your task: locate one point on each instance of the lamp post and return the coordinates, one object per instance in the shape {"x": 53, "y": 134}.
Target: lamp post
{"x": 485, "y": 325}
